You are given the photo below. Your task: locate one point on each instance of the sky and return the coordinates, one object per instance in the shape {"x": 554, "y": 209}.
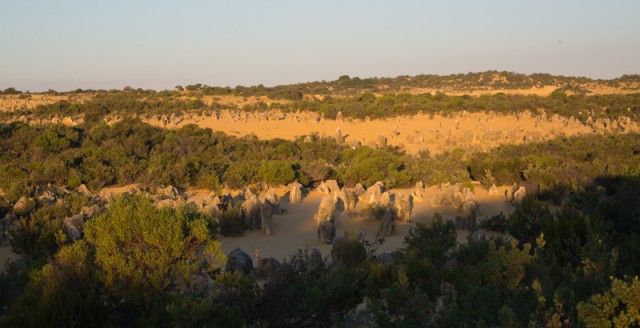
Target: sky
{"x": 90, "y": 44}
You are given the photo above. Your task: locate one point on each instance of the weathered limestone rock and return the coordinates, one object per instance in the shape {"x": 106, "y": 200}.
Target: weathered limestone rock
{"x": 358, "y": 190}
{"x": 450, "y": 195}
{"x": 74, "y": 225}
{"x": 508, "y": 193}
{"x": 47, "y": 197}
{"x": 338, "y": 136}
{"x": 387, "y": 224}
{"x": 296, "y": 192}
{"x": 266, "y": 215}
{"x": 493, "y": 190}
{"x": 24, "y": 206}
{"x": 348, "y": 198}
{"x": 169, "y": 192}
{"x": 7, "y": 224}
{"x": 224, "y": 202}
{"x": 519, "y": 195}
{"x": 326, "y": 210}
{"x": 267, "y": 267}
{"x": 373, "y": 194}
{"x": 274, "y": 200}
{"x": 419, "y": 191}
{"x": 468, "y": 216}
{"x": 250, "y": 211}
{"x": 167, "y": 203}
{"x": 326, "y": 231}
{"x": 385, "y": 199}
{"x": 381, "y": 142}
{"x": 329, "y": 187}
{"x": 82, "y": 189}
{"x": 239, "y": 261}
{"x": 213, "y": 210}
{"x": 403, "y": 204}
{"x": 91, "y": 211}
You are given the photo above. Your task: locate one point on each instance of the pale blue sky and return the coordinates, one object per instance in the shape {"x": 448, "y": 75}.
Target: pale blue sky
{"x": 68, "y": 44}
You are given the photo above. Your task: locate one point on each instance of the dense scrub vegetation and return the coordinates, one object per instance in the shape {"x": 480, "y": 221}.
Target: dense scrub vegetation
{"x": 576, "y": 267}
{"x": 150, "y": 103}
{"x": 142, "y": 266}
{"x": 133, "y": 152}
{"x": 350, "y": 86}
{"x": 578, "y": 106}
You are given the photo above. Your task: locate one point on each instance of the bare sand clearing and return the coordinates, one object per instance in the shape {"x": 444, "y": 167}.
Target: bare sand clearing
{"x": 435, "y": 133}
{"x": 296, "y": 228}
{"x": 542, "y": 91}
{"x": 30, "y": 101}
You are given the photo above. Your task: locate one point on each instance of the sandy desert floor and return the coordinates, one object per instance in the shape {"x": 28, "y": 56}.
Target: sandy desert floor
{"x": 296, "y": 229}
{"x": 437, "y": 134}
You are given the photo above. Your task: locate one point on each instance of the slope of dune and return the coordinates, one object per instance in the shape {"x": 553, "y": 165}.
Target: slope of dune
{"x": 435, "y": 133}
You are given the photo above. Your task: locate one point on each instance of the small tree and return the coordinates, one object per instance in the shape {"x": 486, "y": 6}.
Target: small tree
{"x": 277, "y": 172}
{"x": 142, "y": 251}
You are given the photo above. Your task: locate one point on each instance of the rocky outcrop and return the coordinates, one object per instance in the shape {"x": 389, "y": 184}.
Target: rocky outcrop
{"x": 329, "y": 187}
{"x": 169, "y": 192}
{"x": 374, "y": 193}
{"x": 493, "y": 190}
{"x": 74, "y": 226}
{"x": 167, "y": 203}
{"x": 338, "y": 137}
{"x": 326, "y": 210}
{"x": 239, "y": 261}
{"x": 326, "y": 231}
{"x": 274, "y": 200}
{"x": 387, "y": 224}
{"x": 403, "y": 204}
{"x": 508, "y": 193}
{"x": 468, "y": 216}
{"x": 250, "y": 211}
{"x": 385, "y": 199}
{"x": 266, "y": 216}
{"x": 296, "y": 192}
{"x": 91, "y": 211}
{"x": 450, "y": 195}
{"x": 267, "y": 267}
{"x": 212, "y": 210}
{"x": 519, "y": 195}
{"x": 7, "y": 225}
{"x": 83, "y": 190}
{"x": 47, "y": 197}
{"x": 24, "y": 206}
{"x": 348, "y": 198}
{"x": 419, "y": 191}
{"x": 358, "y": 190}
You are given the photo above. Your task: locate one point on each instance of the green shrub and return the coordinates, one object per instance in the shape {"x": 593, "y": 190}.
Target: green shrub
{"x": 232, "y": 223}
{"x": 277, "y": 172}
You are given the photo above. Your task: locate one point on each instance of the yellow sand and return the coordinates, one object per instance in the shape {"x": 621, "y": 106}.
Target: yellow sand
{"x": 296, "y": 228}
{"x": 437, "y": 134}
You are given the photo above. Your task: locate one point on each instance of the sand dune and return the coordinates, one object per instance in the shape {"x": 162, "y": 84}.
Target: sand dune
{"x": 435, "y": 133}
